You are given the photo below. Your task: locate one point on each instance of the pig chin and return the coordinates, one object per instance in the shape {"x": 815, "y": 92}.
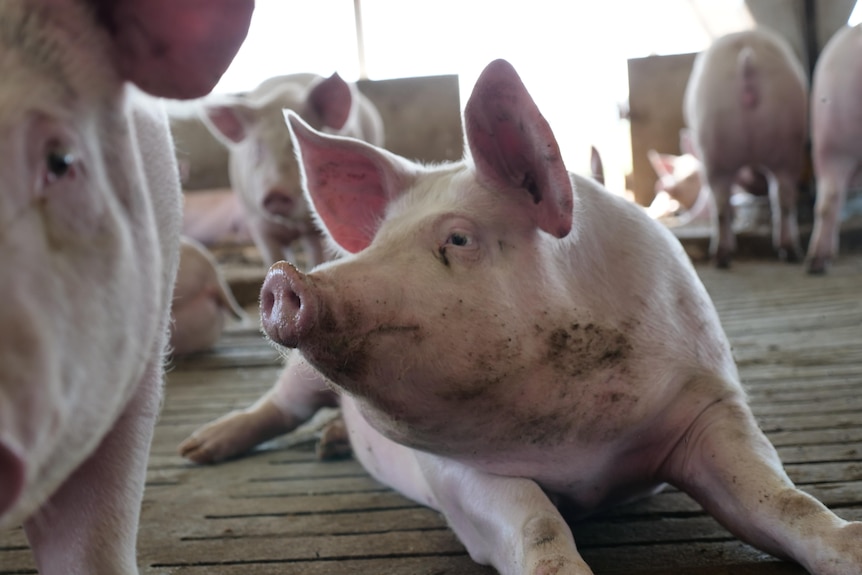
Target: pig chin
{"x": 352, "y": 360}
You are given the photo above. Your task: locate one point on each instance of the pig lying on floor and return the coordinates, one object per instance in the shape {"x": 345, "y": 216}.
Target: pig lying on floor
{"x": 89, "y": 235}
{"x": 493, "y": 352}
{"x": 202, "y": 300}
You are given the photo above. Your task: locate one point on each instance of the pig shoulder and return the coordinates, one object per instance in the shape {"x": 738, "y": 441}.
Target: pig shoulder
{"x": 629, "y": 268}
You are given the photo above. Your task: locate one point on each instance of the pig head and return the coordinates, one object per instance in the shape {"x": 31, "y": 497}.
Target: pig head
{"x": 90, "y": 215}
{"x": 263, "y": 169}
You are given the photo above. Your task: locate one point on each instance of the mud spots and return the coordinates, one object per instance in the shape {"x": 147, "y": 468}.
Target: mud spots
{"x": 577, "y": 350}
{"x": 346, "y": 343}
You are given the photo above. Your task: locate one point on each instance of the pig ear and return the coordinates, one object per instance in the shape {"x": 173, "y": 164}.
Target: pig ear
{"x": 686, "y": 142}
{"x": 175, "y": 48}
{"x": 331, "y": 100}
{"x": 596, "y": 168}
{"x": 349, "y": 183}
{"x": 513, "y": 146}
{"x": 661, "y": 163}
{"x": 228, "y": 121}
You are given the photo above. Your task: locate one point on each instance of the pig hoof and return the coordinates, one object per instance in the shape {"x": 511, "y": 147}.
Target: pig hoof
{"x": 817, "y": 266}
{"x": 722, "y": 261}
{"x": 334, "y": 441}
{"x": 222, "y": 439}
{"x": 790, "y": 256}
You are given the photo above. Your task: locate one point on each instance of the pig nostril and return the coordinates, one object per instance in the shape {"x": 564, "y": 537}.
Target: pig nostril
{"x": 295, "y": 301}
{"x": 267, "y": 302}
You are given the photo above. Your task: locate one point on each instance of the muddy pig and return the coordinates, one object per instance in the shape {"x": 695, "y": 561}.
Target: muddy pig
{"x": 488, "y": 337}
{"x": 263, "y": 169}
{"x": 201, "y": 301}
{"x": 90, "y": 212}
{"x": 746, "y": 105}
{"x": 836, "y": 139}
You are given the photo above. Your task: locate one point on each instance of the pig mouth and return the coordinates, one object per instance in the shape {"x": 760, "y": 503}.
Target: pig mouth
{"x": 347, "y": 357}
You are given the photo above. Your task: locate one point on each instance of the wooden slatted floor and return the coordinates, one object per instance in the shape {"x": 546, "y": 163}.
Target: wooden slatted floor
{"x": 798, "y": 341}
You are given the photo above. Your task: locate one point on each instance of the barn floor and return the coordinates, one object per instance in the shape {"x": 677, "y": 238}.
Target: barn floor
{"x": 798, "y": 341}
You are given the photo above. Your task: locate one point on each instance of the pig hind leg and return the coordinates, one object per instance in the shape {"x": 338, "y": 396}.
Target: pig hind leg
{"x": 833, "y": 179}
{"x": 506, "y": 522}
{"x": 785, "y": 231}
{"x": 297, "y": 395}
{"x": 723, "y": 242}
{"x": 729, "y": 466}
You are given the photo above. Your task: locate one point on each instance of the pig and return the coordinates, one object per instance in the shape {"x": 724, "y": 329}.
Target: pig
{"x": 262, "y": 167}
{"x": 488, "y": 337}
{"x": 746, "y": 104}
{"x": 836, "y": 140}
{"x": 678, "y": 189}
{"x": 215, "y": 217}
{"x": 681, "y": 198}
{"x": 90, "y": 211}
{"x": 201, "y": 301}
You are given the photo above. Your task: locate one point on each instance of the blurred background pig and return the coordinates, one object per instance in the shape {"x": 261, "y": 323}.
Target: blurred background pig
{"x": 90, "y": 212}
{"x": 202, "y": 300}
{"x": 263, "y": 170}
{"x": 836, "y": 139}
{"x": 746, "y": 105}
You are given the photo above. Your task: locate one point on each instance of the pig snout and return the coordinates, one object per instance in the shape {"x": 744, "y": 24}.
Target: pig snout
{"x": 288, "y": 306}
{"x": 279, "y": 203}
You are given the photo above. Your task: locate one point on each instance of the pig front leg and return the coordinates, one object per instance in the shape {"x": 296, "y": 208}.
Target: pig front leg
{"x": 297, "y": 395}
{"x": 833, "y": 178}
{"x": 729, "y": 466}
{"x": 506, "y": 522}
{"x": 723, "y": 242}
{"x": 90, "y": 524}
{"x": 785, "y": 230}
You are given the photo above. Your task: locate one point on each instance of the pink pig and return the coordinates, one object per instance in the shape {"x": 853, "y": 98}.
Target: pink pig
{"x": 263, "y": 169}
{"x": 201, "y": 301}
{"x": 836, "y": 138}
{"x": 90, "y": 218}
{"x": 746, "y": 105}
{"x": 488, "y": 337}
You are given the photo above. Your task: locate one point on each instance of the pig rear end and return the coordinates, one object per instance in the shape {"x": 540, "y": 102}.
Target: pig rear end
{"x": 836, "y": 139}
{"x": 89, "y": 234}
{"x": 746, "y": 105}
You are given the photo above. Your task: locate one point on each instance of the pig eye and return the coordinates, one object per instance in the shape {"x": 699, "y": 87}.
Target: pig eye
{"x": 458, "y": 239}
{"x": 59, "y": 162}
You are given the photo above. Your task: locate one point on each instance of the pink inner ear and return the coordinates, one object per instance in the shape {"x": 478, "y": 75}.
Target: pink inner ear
{"x": 332, "y": 100}
{"x": 176, "y": 48}
{"x": 228, "y": 122}
{"x": 514, "y": 148}
{"x": 350, "y": 184}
